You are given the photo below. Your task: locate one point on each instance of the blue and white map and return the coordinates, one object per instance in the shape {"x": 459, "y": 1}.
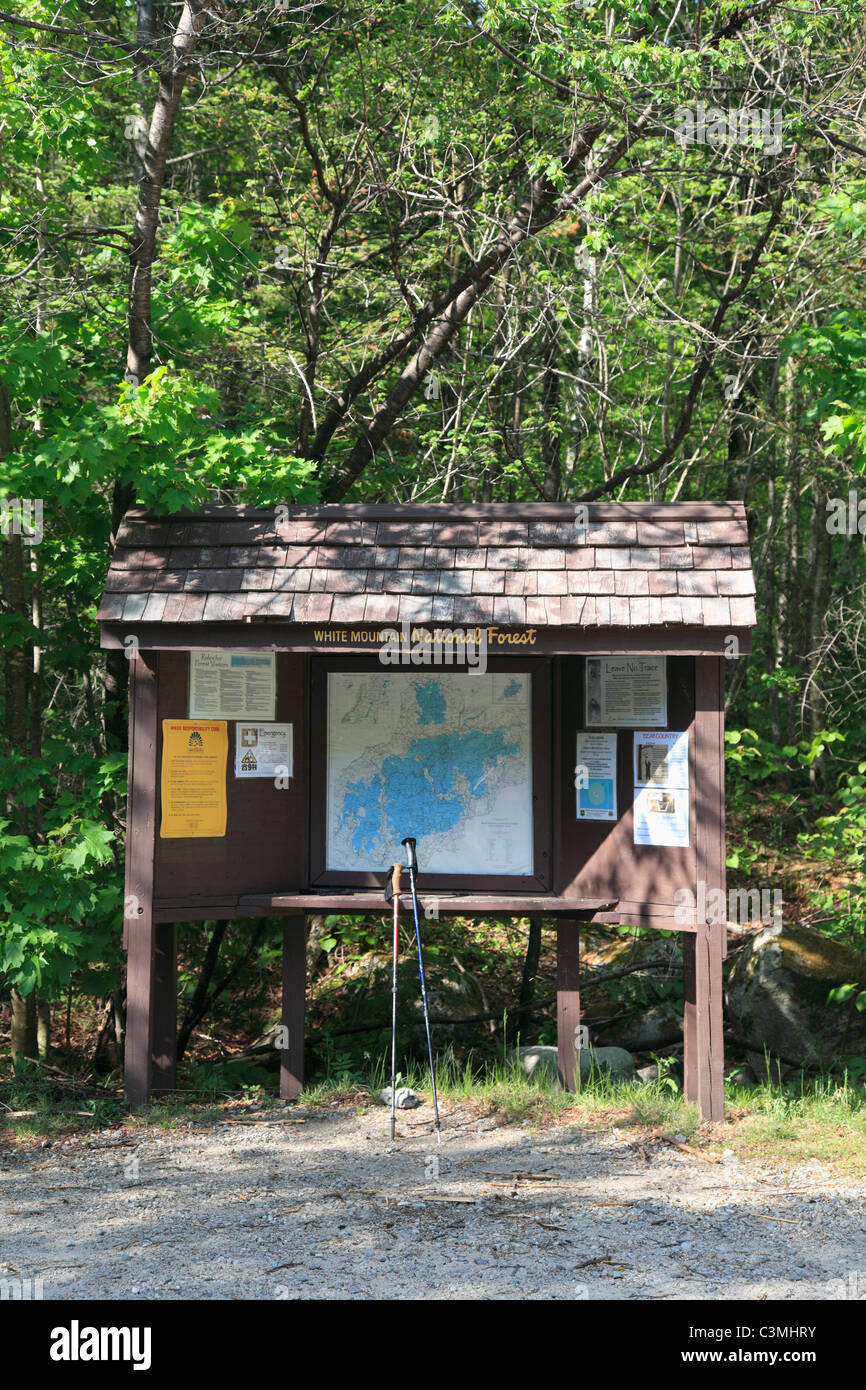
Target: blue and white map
{"x": 443, "y": 756}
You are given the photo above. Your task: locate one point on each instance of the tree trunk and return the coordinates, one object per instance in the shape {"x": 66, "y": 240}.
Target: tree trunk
{"x": 43, "y": 1029}
{"x": 530, "y": 973}
{"x": 24, "y": 1038}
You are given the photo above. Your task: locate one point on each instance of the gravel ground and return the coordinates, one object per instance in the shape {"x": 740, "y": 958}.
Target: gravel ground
{"x": 317, "y": 1204}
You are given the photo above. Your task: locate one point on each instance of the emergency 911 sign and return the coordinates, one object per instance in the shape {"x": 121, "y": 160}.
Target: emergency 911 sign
{"x": 263, "y": 750}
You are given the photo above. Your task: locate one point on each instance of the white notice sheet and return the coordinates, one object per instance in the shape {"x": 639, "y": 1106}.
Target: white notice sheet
{"x": 661, "y": 788}
{"x": 232, "y": 685}
{"x": 626, "y": 690}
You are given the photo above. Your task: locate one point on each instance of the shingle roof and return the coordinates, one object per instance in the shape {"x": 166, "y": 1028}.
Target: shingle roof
{"x": 546, "y": 564}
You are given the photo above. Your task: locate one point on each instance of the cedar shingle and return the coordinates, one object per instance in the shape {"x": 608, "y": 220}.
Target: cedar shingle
{"x": 675, "y": 558}
{"x": 311, "y": 608}
{"x": 410, "y": 558}
{"x": 740, "y": 557}
{"x": 536, "y": 614}
{"x": 154, "y": 608}
{"x": 610, "y": 559}
{"x": 644, "y": 558}
{"x": 213, "y": 581}
{"x": 129, "y": 581}
{"x": 301, "y": 555}
{"x": 717, "y": 611}
{"x": 381, "y": 608}
{"x": 736, "y": 582}
{"x": 520, "y": 582}
{"x": 193, "y": 608}
{"x": 723, "y": 532}
{"x": 692, "y": 611}
{"x": 583, "y": 559}
{"x": 602, "y": 610}
{"x": 474, "y": 609}
{"x": 619, "y": 614}
{"x": 571, "y": 611}
{"x": 257, "y": 579}
{"x": 110, "y": 608}
{"x": 556, "y": 581}
{"x": 591, "y": 581}
{"x": 451, "y": 533}
{"x": 338, "y": 581}
{"x": 660, "y": 533}
{"x": 443, "y": 608}
{"x": 407, "y": 533}
{"x": 295, "y": 579}
{"x": 173, "y": 608}
{"x": 712, "y": 557}
{"x": 542, "y": 559}
{"x": 507, "y": 533}
{"x": 553, "y": 610}
{"x": 384, "y": 557}
{"x": 672, "y": 611}
{"x": 170, "y": 580}
{"x": 224, "y": 608}
{"x": 348, "y": 608}
{"x": 506, "y": 557}
{"x": 553, "y": 533}
{"x": 638, "y": 610}
{"x": 233, "y": 533}
{"x": 351, "y": 533}
{"x": 488, "y": 581}
{"x": 134, "y": 606}
{"x": 438, "y": 558}
{"x": 397, "y": 581}
{"x": 611, "y": 533}
{"x": 209, "y": 557}
{"x": 510, "y": 611}
{"x": 661, "y": 581}
{"x": 696, "y": 583}
{"x": 634, "y": 582}
{"x": 742, "y": 611}
{"x": 246, "y": 556}
{"x": 308, "y": 532}
{"x": 187, "y": 557}
{"x": 415, "y": 609}
{"x": 455, "y": 582}
{"x": 470, "y": 559}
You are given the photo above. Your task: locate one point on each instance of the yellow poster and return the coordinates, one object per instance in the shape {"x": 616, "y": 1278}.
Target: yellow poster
{"x": 194, "y": 760}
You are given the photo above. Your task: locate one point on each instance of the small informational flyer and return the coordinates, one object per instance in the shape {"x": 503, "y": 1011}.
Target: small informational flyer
{"x": 263, "y": 750}
{"x": 624, "y": 691}
{"x": 661, "y": 788}
{"x": 595, "y": 776}
{"x": 193, "y": 782}
{"x": 232, "y": 685}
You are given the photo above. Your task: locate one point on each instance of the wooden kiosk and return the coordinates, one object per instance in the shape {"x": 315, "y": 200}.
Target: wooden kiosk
{"x": 260, "y": 644}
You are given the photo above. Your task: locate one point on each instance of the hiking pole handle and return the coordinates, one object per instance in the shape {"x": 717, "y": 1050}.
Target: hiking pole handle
{"x": 411, "y": 857}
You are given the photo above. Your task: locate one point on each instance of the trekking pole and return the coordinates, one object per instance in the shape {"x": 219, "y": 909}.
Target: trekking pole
{"x": 412, "y": 864}
{"x": 395, "y": 894}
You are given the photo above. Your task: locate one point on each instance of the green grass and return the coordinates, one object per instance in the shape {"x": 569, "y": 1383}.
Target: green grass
{"x": 806, "y": 1116}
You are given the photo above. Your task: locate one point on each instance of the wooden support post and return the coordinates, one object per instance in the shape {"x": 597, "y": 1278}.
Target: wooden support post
{"x": 294, "y": 1000}
{"x": 568, "y": 1001}
{"x": 704, "y": 949}
{"x": 164, "y": 1030}
{"x": 139, "y": 928}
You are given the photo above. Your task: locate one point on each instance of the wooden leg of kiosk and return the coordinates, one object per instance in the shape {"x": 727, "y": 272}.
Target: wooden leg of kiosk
{"x": 567, "y": 1000}
{"x": 140, "y": 932}
{"x": 164, "y": 1030}
{"x": 138, "y": 1052}
{"x": 294, "y": 998}
{"x": 702, "y": 1020}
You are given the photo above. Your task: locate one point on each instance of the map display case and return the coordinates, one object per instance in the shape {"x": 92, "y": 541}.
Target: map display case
{"x": 331, "y": 730}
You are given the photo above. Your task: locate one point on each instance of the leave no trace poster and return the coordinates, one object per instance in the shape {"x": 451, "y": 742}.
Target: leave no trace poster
{"x": 623, "y": 691}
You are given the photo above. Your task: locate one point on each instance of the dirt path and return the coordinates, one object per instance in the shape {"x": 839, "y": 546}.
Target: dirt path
{"x": 314, "y": 1204}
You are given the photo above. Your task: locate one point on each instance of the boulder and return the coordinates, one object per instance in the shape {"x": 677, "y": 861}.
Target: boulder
{"x": 542, "y": 1061}
{"x": 657, "y": 1025}
{"x": 777, "y": 997}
